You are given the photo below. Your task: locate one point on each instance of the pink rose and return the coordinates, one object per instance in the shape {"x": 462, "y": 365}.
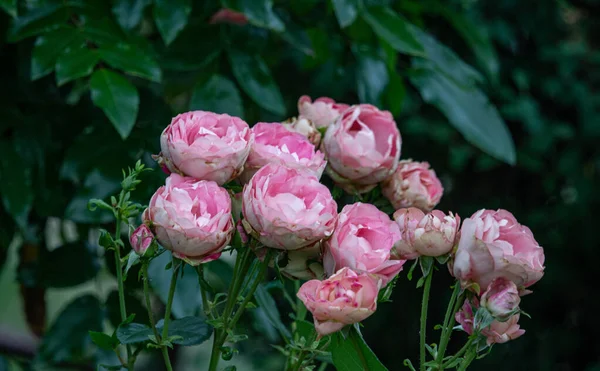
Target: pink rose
{"x": 432, "y": 234}
{"x": 362, "y": 241}
{"x": 413, "y": 184}
{"x": 362, "y": 147}
{"x": 206, "y": 146}
{"x": 305, "y": 127}
{"x": 192, "y": 218}
{"x": 274, "y": 144}
{"x": 141, "y": 239}
{"x": 493, "y": 244}
{"x": 287, "y": 208}
{"x": 497, "y": 332}
{"x": 322, "y": 112}
{"x": 228, "y": 16}
{"x": 501, "y": 299}
{"x": 342, "y": 299}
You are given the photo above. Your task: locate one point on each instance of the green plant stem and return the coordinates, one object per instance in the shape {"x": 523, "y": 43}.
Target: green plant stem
{"x": 119, "y": 269}
{"x": 157, "y": 336}
{"x": 423, "y": 329}
{"x": 448, "y": 323}
{"x": 165, "y": 331}
{"x": 298, "y": 364}
{"x": 471, "y": 354}
{"x": 459, "y": 353}
{"x": 205, "y": 306}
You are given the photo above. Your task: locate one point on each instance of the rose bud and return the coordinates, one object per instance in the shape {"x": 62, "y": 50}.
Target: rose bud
{"x": 413, "y": 184}
{"x": 493, "y": 244}
{"x": 342, "y": 299}
{"x": 287, "y": 208}
{"x": 497, "y": 332}
{"x": 304, "y": 264}
{"x": 206, "y": 145}
{"x": 305, "y": 127}
{"x": 274, "y": 144}
{"x": 228, "y": 16}
{"x": 362, "y": 148}
{"x": 432, "y": 234}
{"x": 141, "y": 240}
{"x": 362, "y": 241}
{"x": 192, "y": 218}
{"x": 322, "y": 112}
{"x": 501, "y": 299}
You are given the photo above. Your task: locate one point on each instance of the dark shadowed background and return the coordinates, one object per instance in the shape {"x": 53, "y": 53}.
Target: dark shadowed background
{"x": 87, "y": 87}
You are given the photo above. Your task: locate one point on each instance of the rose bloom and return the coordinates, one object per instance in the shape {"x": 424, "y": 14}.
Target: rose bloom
{"x": 287, "y": 208}
{"x": 304, "y": 264}
{"x": 497, "y": 332}
{"x": 493, "y": 244}
{"x": 431, "y": 234}
{"x": 362, "y": 148}
{"x": 192, "y": 218}
{"x": 228, "y": 16}
{"x": 362, "y": 241}
{"x": 305, "y": 127}
{"x": 501, "y": 299}
{"x": 141, "y": 239}
{"x": 274, "y": 144}
{"x": 342, "y": 299}
{"x": 322, "y": 112}
{"x": 413, "y": 184}
{"x": 206, "y": 146}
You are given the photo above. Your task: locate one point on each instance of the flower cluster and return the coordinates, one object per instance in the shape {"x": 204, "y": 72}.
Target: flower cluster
{"x": 349, "y": 256}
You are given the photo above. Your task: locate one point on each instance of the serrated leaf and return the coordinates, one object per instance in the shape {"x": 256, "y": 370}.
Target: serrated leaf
{"x": 345, "y": 11}
{"x": 117, "y": 97}
{"x": 171, "y": 16}
{"x": 394, "y": 30}
{"x": 259, "y": 13}
{"x": 103, "y": 340}
{"x": 129, "y": 13}
{"x": 218, "y": 94}
{"x": 132, "y": 60}
{"x": 188, "y": 331}
{"x": 255, "y": 78}
{"x": 132, "y": 333}
{"x": 42, "y": 19}
{"x": 75, "y": 62}
{"x": 352, "y": 353}
{"x": 48, "y": 48}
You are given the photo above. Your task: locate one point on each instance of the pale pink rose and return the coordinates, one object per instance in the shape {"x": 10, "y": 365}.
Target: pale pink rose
{"x": 342, "y": 299}
{"x": 274, "y": 144}
{"x": 192, "y": 218}
{"x": 413, "y": 184}
{"x": 305, "y": 263}
{"x": 497, "y": 332}
{"x": 362, "y": 241}
{"x": 501, "y": 299}
{"x": 322, "y": 112}
{"x": 362, "y": 148}
{"x": 287, "y": 208}
{"x": 305, "y": 127}
{"x": 206, "y": 146}
{"x": 141, "y": 239}
{"x": 493, "y": 244}
{"x": 228, "y": 16}
{"x": 432, "y": 234}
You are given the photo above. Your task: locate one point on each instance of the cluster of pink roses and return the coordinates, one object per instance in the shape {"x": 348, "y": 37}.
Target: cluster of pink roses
{"x": 351, "y": 254}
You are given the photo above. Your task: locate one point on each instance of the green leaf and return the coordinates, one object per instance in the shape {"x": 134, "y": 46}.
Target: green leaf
{"x": 394, "y": 30}
{"x": 371, "y": 77}
{"x": 131, "y": 60}
{"x": 129, "y": 13}
{"x": 187, "y": 299}
{"x": 103, "y": 340}
{"x": 69, "y": 334}
{"x": 10, "y": 7}
{"x": 219, "y": 95}
{"x": 132, "y": 260}
{"x": 48, "y": 48}
{"x": 193, "y": 330}
{"x": 132, "y": 333}
{"x": 75, "y": 62}
{"x": 266, "y": 302}
{"x": 469, "y": 111}
{"x": 259, "y": 13}
{"x": 171, "y": 16}
{"x": 69, "y": 265}
{"x": 352, "y": 353}
{"x": 254, "y": 77}
{"x": 395, "y": 94}
{"x": 16, "y": 183}
{"x": 42, "y": 19}
{"x": 117, "y": 97}
{"x": 345, "y": 11}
